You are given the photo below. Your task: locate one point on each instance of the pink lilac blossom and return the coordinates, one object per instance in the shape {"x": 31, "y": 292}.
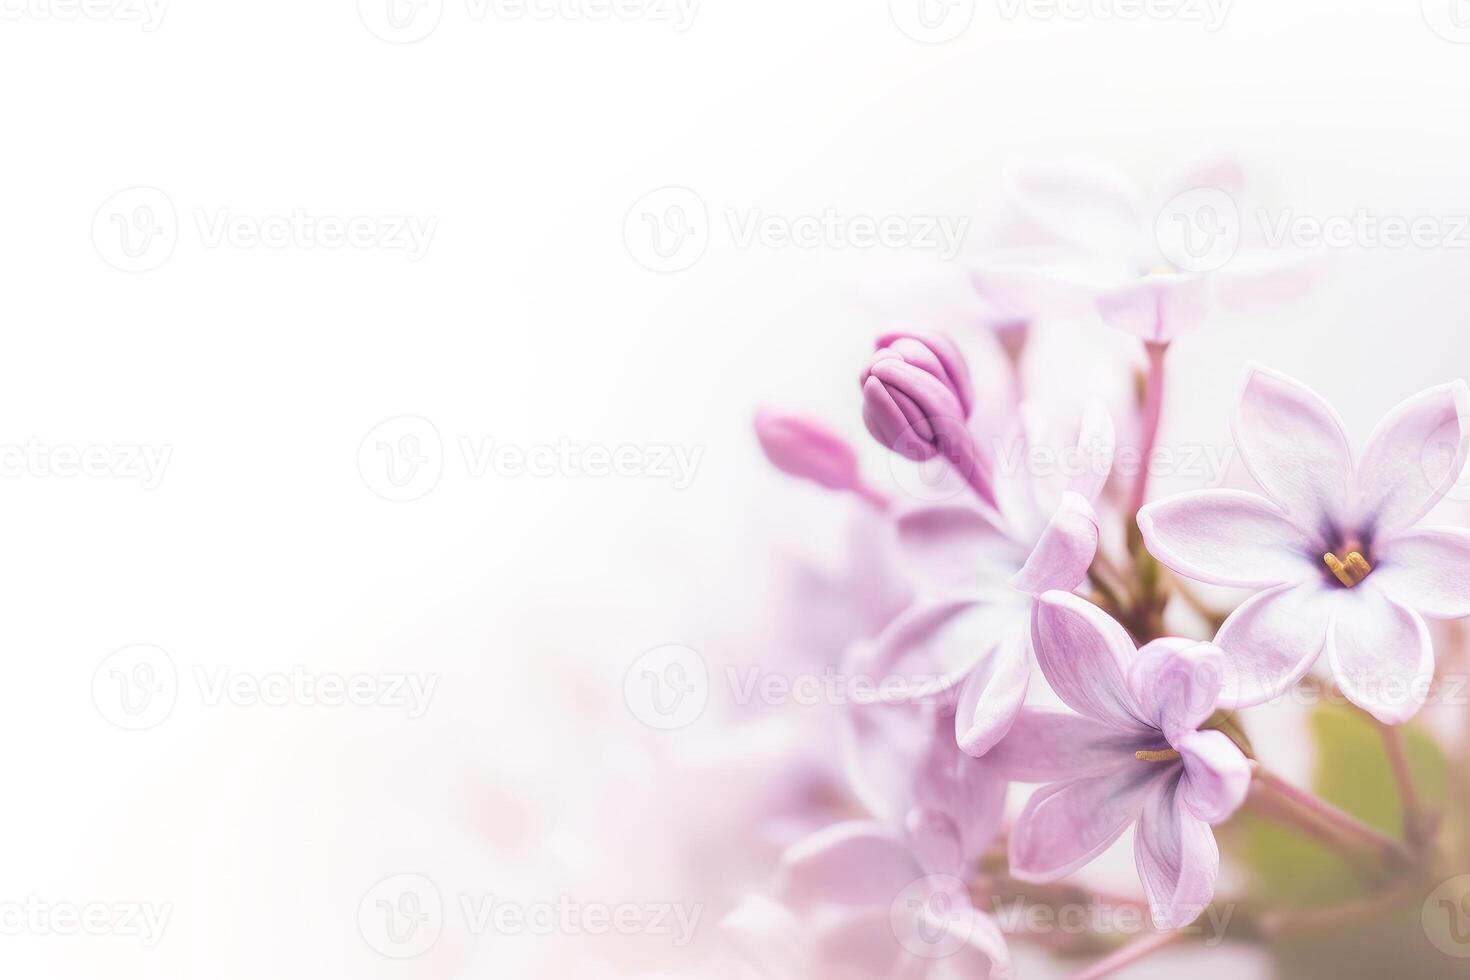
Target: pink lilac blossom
{"x": 1133, "y": 753}
{"x": 1112, "y": 252}
{"x": 1334, "y": 544}
{"x": 968, "y": 642}
{"x": 886, "y": 897}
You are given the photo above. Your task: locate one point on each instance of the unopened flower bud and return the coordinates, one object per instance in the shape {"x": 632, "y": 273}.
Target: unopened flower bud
{"x": 811, "y": 451}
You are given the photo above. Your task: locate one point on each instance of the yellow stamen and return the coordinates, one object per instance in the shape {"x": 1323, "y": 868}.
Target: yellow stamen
{"x": 1351, "y": 571}
{"x": 1159, "y": 755}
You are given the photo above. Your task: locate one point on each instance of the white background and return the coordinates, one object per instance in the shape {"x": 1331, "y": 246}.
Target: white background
{"x": 528, "y": 321}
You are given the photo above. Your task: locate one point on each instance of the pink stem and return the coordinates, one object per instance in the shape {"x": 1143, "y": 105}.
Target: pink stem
{"x": 1153, "y": 410}
{"x": 875, "y": 498}
{"x": 1128, "y": 955}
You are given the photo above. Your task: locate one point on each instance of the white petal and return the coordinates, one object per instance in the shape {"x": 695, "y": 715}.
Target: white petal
{"x": 1271, "y": 640}
{"x": 1413, "y": 457}
{"x": 1228, "y": 537}
{"x": 1380, "y": 653}
{"x": 1426, "y": 569}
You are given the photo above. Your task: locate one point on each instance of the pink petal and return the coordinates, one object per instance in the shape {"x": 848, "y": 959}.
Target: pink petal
{"x": 884, "y": 750}
{"x": 1426, "y": 569}
{"x": 1178, "y": 861}
{"x": 1032, "y": 285}
{"x": 929, "y": 649}
{"x": 768, "y": 935}
{"x": 854, "y": 865}
{"x": 956, "y": 550}
{"x": 1048, "y": 746}
{"x": 1085, "y": 656}
{"x": 938, "y": 355}
{"x": 1217, "y": 775}
{"x": 858, "y": 946}
{"x": 935, "y": 842}
{"x": 1294, "y": 445}
{"x": 1270, "y": 641}
{"x": 1380, "y": 653}
{"x": 1260, "y": 280}
{"x": 1065, "y": 551}
{"x": 1413, "y": 457}
{"x": 994, "y": 692}
{"x": 969, "y": 791}
{"x": 1177, "y": 684}
{"x": 1158, "y": 307}
{"x": 1093, "y": 207}
{"x": 806, "y": 448}
{"x": 1066, "y": 825}
{"x": 983, "y": 955}
{"x": 1097, "y": 443}
{"x": 1227, "y": 537}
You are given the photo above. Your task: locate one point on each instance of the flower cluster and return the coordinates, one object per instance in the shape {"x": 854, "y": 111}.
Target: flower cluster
{"x": 1057, "y": 637}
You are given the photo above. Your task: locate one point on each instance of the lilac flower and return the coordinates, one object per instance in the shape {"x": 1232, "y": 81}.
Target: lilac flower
{"x": 980, "y": 567}
{"x": 887, "y": 898}
{"x": 1133, "y": 753}
{"x": 1335, "y": 544}
{"x": 1118, "y": 251}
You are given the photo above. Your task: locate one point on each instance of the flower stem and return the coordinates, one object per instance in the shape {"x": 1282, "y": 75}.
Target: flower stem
{"x": 1398, "y": 761}
{"x": 1153, "y": 410}
{"x": 1317, "y": 817}
{"x": 1127, "y": 955}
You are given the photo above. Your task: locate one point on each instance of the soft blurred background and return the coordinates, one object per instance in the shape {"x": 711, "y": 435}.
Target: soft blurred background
{"x": 277, "y": 544}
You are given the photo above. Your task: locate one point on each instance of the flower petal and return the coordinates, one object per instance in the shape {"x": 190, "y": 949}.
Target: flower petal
{"x": 1217, "y": 775}
{"x": 1294, "y": 445}
{"x": 1065, "y": 550}
{"x": 1066, "y": 825}
{"x": 769, "y": 936}
{"x": 855, "y": 865}
{"x": 1091, "y": 207}
{"x": 1085, "y": 656}
{"x": 1227, "y": 537}
{"x": 1157, "y": 307}
{"x": 1426, "y": 569}
{"x": 970, "y": 792}
{"x": 1178, "y": 861}
{"x": 1048, "y": 746}
{"x": 956, "y": 550}
{"x": 929, "y": 649}
{"x": 984, "y": 955}
{"x": 1270, "y": 641}
{"x": 1380, "y": 653}
{"x": 1259, "y": 280}
{"x": 1097, "y": 443}
{"x": 994, "y": 692}
{"x": 1413, "y": 457}
{"x": 1177, "y": 684}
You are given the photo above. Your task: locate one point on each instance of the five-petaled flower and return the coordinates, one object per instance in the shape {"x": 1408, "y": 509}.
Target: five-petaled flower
{"x": 1335, "y": 545}
{"x": 1133, "y": 752}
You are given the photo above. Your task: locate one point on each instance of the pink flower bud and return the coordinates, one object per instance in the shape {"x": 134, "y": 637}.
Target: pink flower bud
{"x": 809, "y": 450}
{"x": 916, "y": 394}
{"x": 917, "y": 400}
